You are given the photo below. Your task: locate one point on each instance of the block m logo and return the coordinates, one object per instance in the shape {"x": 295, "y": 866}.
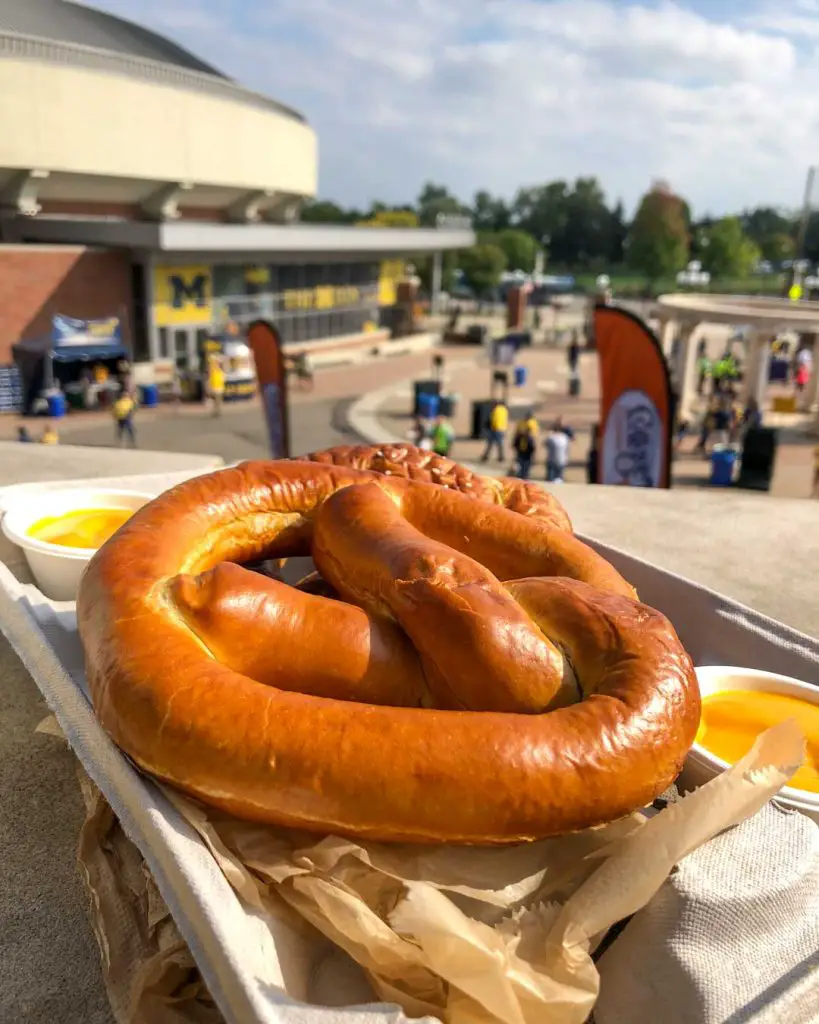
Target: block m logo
{"x": 192, "y": 291}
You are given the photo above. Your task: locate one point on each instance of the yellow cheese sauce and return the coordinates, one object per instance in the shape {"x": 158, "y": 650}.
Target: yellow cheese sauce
{"x": 732, "y": 720}
{"x": 86, "y": 528}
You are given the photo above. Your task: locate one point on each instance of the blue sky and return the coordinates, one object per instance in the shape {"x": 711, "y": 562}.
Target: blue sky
{"x": 718, "y": 97}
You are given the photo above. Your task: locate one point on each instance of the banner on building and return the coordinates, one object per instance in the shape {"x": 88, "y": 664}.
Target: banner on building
{"x": 183, "y": 296}
{"x": 266, "y": 345}
{"x": 636, "y": 402}
{"x": 67, "y": 332}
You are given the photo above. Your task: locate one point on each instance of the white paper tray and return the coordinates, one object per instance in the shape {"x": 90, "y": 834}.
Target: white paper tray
{"x": 247, "y": 969}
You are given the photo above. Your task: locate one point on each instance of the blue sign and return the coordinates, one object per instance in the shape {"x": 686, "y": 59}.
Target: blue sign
{"x": 66, "y": 332}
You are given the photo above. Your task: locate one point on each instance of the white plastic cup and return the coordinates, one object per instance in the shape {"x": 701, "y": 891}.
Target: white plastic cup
{"x": 57, "y": 569}
{"x": 701, "y": 765}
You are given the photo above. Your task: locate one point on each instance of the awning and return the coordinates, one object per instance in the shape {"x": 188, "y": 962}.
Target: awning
{"x": 88, "y": 353}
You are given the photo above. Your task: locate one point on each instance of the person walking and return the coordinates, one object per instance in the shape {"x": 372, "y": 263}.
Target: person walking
{"x": 703, "y": 366}
{"x": 573, "y": 353}
{"x": 442, "y": 436}
{"x": 524, "y": 444}
{"x": 498, "y": 423}
{"x": 216, "y": 384}
{"x": 804, "y": 368}
{"x": 123, "y": 410}
{"x": 557, "y": 452}
{"x": 49, "y": 435}
{"x": 176, "y": 389}
{"x": 593, "y": 458}
{"x": 421, "y": 435}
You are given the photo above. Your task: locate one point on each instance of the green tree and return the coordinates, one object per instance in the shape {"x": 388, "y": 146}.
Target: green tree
{"x": 518, "y": 246}
{"x": 766, "y": 222}
{"x": 778, "y": 248}
{"x": 618, "y": 233}
{"x": 658, "y": 240}
{"x": 449, "y": 265}
{"x": 323, "y": 211}
{"x": 729, "y": 253}
{"x": 435, "y": 200}
{"x": 489, "y": 213}
{"x": 482, "y": 266}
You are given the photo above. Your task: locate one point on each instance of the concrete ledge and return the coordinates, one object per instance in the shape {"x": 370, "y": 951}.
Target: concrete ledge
{"x": 21, "y": 463}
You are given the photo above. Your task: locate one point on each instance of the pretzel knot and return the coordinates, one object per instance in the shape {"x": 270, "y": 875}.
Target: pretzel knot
{"x": 478, "y": 675}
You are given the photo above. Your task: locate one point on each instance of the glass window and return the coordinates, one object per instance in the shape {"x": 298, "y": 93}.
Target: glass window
{"x": 162, "y": 342}
{"x": 180, "y": 348}
{"x": 290, "y": 278}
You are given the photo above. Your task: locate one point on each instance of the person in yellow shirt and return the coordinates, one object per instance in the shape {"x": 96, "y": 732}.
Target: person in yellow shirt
{"x": 123, "y": 410}
{"x": 49, "y": 435}
{"x": 498, "y": 423}
{"x": 216, "y": 384}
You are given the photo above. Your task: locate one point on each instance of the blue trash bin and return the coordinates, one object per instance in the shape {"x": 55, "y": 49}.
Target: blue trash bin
{"x": 149, "y": 395}
{"x": 428, "y": 406}
{"x": 520, "y": 376}
{"x": 723, "y": 461}
{"x": 56, "y": 405}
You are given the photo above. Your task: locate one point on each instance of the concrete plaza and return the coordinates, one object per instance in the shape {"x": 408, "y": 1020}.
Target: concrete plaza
{"x": 320, "y": 417}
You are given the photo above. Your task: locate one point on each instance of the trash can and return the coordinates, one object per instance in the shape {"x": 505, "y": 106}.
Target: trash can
{"x": 447, "y": 405}
{"x": 520, "y": 376}
{"x": 476, "y": 333}
{"x": 75, "y": 397}
{"x": 481, "y": 415}
{"x": 758, "y": 458}
{"x": 723, "y": 461}
{"x": 424, "y": 387}
{"x": 149, "y": 395}
{"x": 56, "y": 405}
{"x": 427, "y": 406}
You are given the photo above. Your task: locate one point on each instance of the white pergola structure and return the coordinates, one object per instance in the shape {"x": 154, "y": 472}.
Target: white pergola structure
{"x": 682, "y": 315}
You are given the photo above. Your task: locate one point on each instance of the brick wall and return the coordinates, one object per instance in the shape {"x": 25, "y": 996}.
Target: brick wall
{"x": 38, "y": 281}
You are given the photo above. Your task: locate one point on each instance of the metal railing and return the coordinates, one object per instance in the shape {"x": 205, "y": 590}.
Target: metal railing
{"x": 25, "y": 47}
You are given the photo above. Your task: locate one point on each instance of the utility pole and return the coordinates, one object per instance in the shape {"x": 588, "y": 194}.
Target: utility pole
{"x": 806, "y": 211}
{"x": 795, "y": 275}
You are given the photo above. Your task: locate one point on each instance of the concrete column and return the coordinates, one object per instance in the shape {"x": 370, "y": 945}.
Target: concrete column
{"x": 750, "y": 367}
{"x": 763, "y": 370}
{"x": 685, "y": 369}
{"x": 437, "y": 275}
{"x": 667, "y": 332}
{"x": 757, "y": 367}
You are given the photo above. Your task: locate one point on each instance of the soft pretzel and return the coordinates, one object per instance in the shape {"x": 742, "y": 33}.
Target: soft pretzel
{"x": 442, "y": 703}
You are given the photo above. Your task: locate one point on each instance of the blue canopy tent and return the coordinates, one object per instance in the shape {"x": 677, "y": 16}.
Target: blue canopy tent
{"x": 71, "y": 341}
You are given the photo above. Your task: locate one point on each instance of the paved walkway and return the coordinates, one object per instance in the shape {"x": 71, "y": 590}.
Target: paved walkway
{"x": 546, "y": 392}
{"x": 318, "y": 418}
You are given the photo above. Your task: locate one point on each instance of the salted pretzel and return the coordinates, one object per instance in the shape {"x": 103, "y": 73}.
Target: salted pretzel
{"x": 480, "y": 676}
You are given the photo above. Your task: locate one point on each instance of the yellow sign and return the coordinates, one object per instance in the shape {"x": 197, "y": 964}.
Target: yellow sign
{"x": 183, "y": 295}
{"x": 323, "y": 297}
{"x": 795, "y": 292}
{"x": 257, "y": 275}
{"x": 392, "y": 271}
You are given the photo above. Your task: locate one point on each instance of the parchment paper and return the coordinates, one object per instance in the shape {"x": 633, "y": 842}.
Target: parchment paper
{"x": 486, "y": 936}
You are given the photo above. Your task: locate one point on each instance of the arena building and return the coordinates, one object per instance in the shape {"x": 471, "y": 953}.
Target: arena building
{"x": 138, "y": 182}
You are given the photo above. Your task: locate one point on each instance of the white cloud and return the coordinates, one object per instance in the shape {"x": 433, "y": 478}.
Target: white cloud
{"x": 502, "y": 93}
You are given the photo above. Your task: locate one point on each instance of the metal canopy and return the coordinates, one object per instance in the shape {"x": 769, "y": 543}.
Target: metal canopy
{"x": 297, "y": 241}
